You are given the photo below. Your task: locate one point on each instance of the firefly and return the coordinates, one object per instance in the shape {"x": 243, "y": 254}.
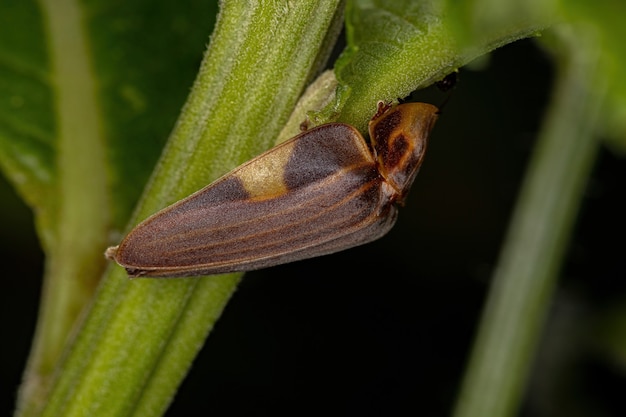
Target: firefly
{"x": 322, "y": 191}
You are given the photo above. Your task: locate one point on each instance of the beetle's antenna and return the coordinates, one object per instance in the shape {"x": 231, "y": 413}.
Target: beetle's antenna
{"x": 447, "y": 85}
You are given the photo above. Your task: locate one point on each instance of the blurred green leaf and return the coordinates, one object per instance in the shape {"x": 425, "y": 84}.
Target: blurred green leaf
{"x": 27, "y": 123}
{"x": 471, "y": 20}
{"x": 604, "y": 21}
{"x": 142, "y": 63}
{"x": 88, "y": 94}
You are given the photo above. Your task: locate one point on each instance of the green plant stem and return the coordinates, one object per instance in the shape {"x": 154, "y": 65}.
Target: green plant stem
{"x": 140, "y": 336}
{"x": 525, "y": 277}
{"x": 74, "y": 253}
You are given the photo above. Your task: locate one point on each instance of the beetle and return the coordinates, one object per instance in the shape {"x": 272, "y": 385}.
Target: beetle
{"x": 322, "y": 191}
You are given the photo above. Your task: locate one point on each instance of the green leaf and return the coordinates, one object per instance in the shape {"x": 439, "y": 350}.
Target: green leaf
{"x": 397, "y": 47}
{"x": 27, "y": 123}
{"x": 603, "y": 20}
{"x": 89, "y": 93}
{"x": 472, "y": 20}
